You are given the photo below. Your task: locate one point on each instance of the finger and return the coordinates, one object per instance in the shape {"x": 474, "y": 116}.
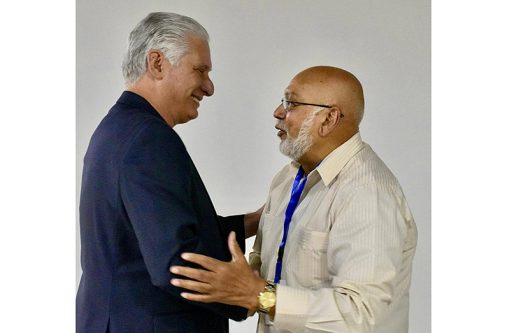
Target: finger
{"x": 198, "y": 297}
{"x": 234, "y": 247}
{"x": 192, "y": 273}
{"x": 199, "y": 287}
{"x": 204, "y": 261}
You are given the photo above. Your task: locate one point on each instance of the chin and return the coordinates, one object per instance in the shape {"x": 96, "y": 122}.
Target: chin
{"x": 193, "y": 115}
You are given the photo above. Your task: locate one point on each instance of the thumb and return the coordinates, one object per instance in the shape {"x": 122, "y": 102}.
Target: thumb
{"x": 234, "y": 247}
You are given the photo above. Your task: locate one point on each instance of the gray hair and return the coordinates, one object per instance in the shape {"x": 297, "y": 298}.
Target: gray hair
{"x": 166, "y": 32}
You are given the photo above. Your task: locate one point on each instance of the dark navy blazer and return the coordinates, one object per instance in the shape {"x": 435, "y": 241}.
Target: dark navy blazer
{"x": 142, "y": 205}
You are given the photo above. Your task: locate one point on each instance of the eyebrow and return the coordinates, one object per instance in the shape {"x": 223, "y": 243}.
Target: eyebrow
{"x": 290, "y": 94}
{"x": 203, "y": 68}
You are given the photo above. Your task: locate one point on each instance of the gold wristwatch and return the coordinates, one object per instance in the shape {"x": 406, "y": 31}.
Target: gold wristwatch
{"x": 267, "y": 297}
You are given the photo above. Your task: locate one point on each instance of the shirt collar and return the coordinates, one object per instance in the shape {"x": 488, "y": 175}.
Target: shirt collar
{"x": 134, "y": 100}
{"x": 334, "y": 162}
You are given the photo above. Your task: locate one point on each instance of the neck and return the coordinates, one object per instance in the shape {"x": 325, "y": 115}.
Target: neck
{"x": 319, "y": 151}
{"x": 309, "y": 161}
{"x": 149, "y": 94}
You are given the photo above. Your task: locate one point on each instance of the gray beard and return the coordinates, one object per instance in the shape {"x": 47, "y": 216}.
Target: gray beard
{"x": 297, "y": 147}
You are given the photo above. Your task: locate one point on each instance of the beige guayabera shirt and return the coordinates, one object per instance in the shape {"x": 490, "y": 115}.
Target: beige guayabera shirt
{"x": 348, "y": 259}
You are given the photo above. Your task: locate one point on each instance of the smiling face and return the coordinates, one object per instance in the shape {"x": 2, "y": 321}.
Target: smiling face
{"x": 185, "y": 84}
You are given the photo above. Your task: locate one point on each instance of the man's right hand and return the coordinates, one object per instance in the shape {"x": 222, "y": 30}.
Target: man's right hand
{"x": 230, "y": 282}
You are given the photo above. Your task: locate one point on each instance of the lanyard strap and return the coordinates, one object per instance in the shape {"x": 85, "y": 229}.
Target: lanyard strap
{"x": 297, "y": 189}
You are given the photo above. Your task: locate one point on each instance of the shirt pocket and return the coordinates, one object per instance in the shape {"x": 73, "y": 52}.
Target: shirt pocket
{"x": 311, "y": 269}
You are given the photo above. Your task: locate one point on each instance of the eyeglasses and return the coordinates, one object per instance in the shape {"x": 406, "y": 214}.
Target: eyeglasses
{"x": 287, "y": 105}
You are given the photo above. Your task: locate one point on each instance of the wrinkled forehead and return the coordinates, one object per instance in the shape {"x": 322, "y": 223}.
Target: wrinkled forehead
{"x": 199, "y": 52}
{"x": 301, "y": 87}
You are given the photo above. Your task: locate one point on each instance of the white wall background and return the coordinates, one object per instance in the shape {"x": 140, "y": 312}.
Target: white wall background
{"x": 257, "y": 46}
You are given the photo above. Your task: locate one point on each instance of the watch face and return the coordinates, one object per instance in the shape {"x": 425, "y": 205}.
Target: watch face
{"x": 267, "y": 299}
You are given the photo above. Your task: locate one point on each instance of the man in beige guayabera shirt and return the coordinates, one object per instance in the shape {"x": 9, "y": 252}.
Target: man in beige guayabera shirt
{"x": 347, "y": 260}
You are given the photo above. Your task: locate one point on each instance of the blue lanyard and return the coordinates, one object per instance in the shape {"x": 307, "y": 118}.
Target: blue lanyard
{"x": 297, "y": 189}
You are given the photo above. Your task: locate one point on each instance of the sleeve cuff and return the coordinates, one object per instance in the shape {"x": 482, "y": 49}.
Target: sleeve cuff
{"x": 312, "y": 309}
{"x": 291, "y": 308}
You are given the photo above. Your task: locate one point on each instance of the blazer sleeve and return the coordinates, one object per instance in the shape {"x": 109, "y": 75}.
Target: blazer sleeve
{"x": 155, "y": 187}
{"x": 234, "y": 223}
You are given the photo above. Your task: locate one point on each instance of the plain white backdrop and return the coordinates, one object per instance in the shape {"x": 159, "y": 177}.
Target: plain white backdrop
{"x": 256, "y": 48}
{"x": 38, "y": 145}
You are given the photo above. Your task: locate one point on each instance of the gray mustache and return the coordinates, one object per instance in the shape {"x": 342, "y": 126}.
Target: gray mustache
{"x": 281, "y": 125}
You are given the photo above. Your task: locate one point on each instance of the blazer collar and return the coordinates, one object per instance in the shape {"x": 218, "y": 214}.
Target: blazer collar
{"x": 136, "y": 101}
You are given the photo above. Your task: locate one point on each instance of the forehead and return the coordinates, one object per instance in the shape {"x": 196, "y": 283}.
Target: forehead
{"x": 298, "y": 89}
{"x": 198, "y": 53}
{"x": 307, "y": 85}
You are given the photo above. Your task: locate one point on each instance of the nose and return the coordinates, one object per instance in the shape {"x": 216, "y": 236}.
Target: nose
{"x": 279, "y": 112}
{"x": 208, "y": 87}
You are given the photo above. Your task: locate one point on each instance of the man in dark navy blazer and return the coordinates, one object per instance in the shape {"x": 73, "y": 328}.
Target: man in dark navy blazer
{"x": 142, "y": 200}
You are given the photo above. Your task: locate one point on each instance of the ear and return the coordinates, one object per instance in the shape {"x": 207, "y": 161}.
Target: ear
{"x": 330, "y": 122}
{"x": 155, "y": 64}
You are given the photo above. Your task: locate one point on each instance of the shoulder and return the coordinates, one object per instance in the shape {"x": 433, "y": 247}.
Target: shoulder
{"x": 156, "y": 131}
{"x": 366, "y": 169}
{"x": 148, "y": 135}
{"x": 281, "y": 176}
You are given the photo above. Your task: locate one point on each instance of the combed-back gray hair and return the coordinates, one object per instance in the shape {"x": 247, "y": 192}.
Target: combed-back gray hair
{"x": 166, "y": 32}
